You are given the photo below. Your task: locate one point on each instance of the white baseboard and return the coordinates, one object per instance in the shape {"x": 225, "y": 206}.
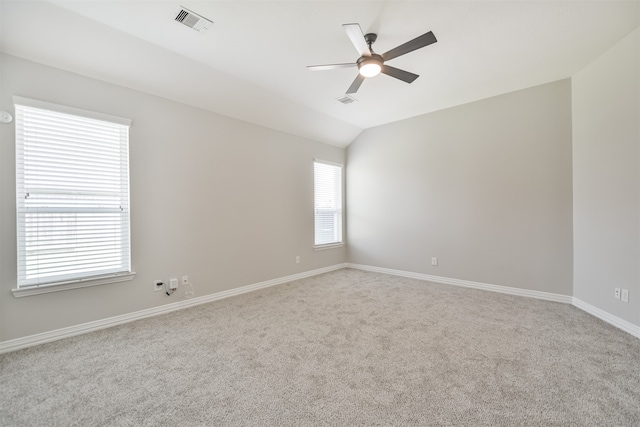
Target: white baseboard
{"x": 32, "y": 340}
{"x": 468, "y": 284}
{"x": 36, "y": 339}
{"x": 608, "y": 317}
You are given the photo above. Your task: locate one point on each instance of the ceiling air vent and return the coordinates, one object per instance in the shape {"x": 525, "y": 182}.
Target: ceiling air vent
{"x": 347, "y": 99}
{"x": 191, "y": 19}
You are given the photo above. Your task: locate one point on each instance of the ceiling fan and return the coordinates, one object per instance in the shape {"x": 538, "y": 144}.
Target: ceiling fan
{"x": 371, "y": 64}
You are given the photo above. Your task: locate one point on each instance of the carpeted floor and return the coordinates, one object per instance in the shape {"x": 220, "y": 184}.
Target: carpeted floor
{"x": 346, "y": 348}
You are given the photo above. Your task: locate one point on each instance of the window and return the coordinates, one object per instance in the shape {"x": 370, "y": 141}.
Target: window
{"x": 72, "y": 190}
{"x": 328, "y": 203}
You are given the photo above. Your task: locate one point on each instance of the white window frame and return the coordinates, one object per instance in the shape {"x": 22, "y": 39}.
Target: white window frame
{"x": 337, "y": 210}
{"x": 28, "y": 281}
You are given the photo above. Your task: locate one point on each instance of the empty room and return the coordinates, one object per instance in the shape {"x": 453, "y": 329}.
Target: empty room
{"x": 301, "y": 213}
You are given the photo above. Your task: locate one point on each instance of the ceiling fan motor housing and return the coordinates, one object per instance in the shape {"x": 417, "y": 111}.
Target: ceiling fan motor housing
{"x": 374, "y": 58}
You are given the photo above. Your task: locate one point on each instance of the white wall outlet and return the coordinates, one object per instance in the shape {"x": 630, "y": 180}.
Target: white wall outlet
{"x": 173, "y": 284}
{"x": 297, "y": 260}
{"x": 157, "y": 285}
{"x": 625, "y": 295}
{"x": 434, "y": 261}
{"x": 185, "y": 280}
{"x": 616, "y": 293}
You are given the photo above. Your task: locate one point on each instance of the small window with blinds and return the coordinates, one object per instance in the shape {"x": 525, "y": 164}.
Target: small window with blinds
{"x": 72, "y": 189}
{"x": 328, "y": 203}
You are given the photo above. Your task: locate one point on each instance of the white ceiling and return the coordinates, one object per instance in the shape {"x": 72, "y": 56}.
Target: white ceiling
{"x": 251, "y": 63}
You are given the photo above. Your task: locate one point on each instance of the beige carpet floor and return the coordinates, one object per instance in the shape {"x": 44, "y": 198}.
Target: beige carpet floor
{"x": 347, "y": 348}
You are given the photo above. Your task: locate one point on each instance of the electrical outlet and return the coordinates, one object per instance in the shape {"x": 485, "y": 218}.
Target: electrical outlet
{"x": 434, "y": 261}
{"x": 297, "y": 260}
{"x": 625, "y": 295}
{"x": 157, "y": 285}
{"x": 185, "y": 280}
{"x": 616, "y": 293}
{"x": 173, "y": 284}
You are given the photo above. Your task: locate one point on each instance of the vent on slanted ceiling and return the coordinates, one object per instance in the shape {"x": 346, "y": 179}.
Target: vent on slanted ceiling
{"x": 346, "y": 99}
{"x": 191, "y": 19}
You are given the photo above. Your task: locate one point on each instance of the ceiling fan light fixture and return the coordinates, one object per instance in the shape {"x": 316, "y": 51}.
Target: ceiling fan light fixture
{"x": 370, "y": 67}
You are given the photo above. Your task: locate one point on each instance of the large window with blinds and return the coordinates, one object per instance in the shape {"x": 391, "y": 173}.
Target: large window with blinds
{"x": 328, "y": 203}
{"x": 72, "y": 189}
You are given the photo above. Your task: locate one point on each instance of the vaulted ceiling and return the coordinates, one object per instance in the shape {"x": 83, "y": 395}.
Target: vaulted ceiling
{"x": 251, "y": 62}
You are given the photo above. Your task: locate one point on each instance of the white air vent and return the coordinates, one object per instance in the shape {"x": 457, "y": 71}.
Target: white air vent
{"x": 191, "y": 19}
{"x": 346, "y": 99}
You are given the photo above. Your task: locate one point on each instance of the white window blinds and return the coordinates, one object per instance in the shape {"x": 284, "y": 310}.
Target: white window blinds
{"x": 72, "y": 189}
{"x": 328, "y": 203}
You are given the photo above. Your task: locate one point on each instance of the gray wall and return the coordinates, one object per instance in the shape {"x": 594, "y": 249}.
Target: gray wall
{"x": 224, "y": 201}
{"x": 606, "y": 174}
{"x": 485, "y": 187}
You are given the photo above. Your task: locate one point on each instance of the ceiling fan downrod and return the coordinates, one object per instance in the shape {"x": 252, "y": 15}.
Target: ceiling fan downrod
{"x": 370, "y": 38}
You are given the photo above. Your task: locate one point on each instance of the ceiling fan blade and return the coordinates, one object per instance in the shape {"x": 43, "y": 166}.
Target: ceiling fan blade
{"x": 356, "y": 84}
{"x": 329, "y": 66}
{"x": 405, "y": 76}
{"x": 357, "y": 38}
{"x": 424, "y": 40}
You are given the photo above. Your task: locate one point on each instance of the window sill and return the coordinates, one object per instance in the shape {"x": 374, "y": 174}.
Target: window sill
{"x": 73, "y": 284}
{"x": 328, "y": 246}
